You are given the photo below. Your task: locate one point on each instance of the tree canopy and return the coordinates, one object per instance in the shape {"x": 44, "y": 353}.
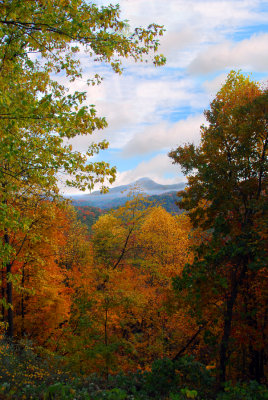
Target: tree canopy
{"x": 190, "y": 290}
{"x": 227, "y": 196}
{"x": 41, "y": 41}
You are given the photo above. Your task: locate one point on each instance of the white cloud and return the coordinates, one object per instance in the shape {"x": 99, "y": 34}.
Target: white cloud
{"x": 130, "y": 105}
{"x": 214, "y": 85}
{"x": 156, "y": 169}
{"x": 164, "y": 136}
{"x": 143, "y": 105}
{"x": 228, "y": 13}
{"x": 176, "y": 40}
{"x": 250, "y": 54}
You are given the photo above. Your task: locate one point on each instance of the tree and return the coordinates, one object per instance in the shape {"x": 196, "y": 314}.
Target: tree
{"x": 165, "y": 243}
{"x": 133, "y": 319}
{"x": 118, "y": 286}
{"x": 55, "y": 32}
{"x": 41, "y": 297}
{"x": 114, "y": 234}
{"x": 40, "y": 39}
{"x": 226, "y": 197}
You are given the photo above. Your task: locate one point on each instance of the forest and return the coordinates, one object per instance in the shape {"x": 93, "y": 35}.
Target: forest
{"x": 147, "y": 304}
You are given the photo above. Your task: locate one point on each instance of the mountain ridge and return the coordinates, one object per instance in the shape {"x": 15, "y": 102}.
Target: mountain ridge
{"x": 120, "y": 194}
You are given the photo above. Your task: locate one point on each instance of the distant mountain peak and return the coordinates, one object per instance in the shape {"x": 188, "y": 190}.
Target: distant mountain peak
{"x": 146, "y": 179}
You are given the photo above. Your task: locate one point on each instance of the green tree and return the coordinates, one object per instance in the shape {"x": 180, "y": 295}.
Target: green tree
{"x": 38, "y": 40}
{"x": 226, "y": 197}
{"x": 36, "y": 112}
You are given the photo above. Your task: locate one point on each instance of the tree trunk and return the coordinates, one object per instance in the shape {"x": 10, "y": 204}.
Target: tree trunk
{"x": 106, "y": 344}
{"x": 190, "y": 341}
{"x": 22, "y": 300}
{"x": 10, "y": 329}
{"x": 3, "y": 293}
{"x": 228, "y": 316}
{"x": 226, "y": 336}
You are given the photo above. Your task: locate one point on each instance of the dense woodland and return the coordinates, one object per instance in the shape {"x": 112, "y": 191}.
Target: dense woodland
{"x": 147, "y": 304}
{"x": 89, "y": 215}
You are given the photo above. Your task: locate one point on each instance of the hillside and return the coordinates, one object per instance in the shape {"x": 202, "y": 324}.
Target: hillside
{"x": 89, "y": 214}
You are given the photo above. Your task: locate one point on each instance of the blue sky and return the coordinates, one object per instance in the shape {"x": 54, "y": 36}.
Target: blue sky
{"x": 153, "y": 110}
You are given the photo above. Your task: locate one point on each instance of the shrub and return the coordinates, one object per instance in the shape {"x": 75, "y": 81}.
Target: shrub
{"x": 244, "y": 391}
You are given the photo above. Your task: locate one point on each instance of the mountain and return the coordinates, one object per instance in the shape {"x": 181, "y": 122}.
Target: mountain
{"x": 117, "y": 196}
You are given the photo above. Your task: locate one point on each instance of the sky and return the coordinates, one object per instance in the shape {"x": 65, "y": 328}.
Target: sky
{"x": 150, "y": 110}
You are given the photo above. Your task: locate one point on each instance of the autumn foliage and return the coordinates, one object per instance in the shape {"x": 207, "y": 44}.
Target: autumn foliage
{"x": 161, "y": 304}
